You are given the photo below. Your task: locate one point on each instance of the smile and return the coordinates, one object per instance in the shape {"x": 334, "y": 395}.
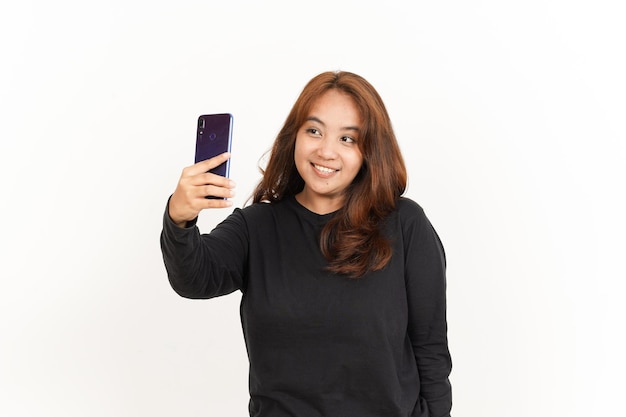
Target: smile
{"x": 324, "y": 169}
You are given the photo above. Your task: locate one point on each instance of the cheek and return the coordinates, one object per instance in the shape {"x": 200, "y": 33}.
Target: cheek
{"x": 357, "y": 161}
{"x": 297, "y": 151}
{"x": 299, "y": 154}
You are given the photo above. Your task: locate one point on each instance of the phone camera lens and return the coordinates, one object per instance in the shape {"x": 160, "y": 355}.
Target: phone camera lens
{"x": 201, "y": 123}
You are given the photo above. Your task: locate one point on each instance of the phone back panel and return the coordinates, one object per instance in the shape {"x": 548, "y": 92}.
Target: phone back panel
{"x": 214, "y": 137}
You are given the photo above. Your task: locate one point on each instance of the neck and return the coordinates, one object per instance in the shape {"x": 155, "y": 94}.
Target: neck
{"x": 320, "y": 206}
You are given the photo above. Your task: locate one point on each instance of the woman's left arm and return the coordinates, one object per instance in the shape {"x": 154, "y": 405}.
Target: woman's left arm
{"x": 425, "y": 275}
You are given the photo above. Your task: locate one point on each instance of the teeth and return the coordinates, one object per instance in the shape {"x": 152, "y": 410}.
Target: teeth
{"x": 323, "y": 169}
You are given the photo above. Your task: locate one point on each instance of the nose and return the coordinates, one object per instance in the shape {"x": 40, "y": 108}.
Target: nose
{"x": 326, "y": 148}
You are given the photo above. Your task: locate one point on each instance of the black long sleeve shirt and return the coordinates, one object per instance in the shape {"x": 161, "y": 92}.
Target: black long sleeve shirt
{"x": 320, "y": 344}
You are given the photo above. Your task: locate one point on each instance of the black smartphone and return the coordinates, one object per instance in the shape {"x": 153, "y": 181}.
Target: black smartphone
{"x": 214, "y": 137}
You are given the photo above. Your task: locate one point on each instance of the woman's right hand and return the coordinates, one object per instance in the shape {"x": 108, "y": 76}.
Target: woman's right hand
{"x": 194, "y": 185}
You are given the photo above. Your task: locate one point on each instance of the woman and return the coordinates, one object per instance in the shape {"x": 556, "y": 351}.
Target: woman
{"x": 343, "y": 280}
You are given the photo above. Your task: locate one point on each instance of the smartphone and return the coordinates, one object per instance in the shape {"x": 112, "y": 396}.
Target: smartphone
{"x": 214, "y": 137}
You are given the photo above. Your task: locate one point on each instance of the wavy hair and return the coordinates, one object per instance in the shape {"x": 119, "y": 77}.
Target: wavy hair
{"x": 352, "y": 241}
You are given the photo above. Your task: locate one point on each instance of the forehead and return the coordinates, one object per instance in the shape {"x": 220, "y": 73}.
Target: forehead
{"x": 335, "y": 105}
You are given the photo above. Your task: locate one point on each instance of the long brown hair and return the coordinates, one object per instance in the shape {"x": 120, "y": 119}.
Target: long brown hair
{"x": 352, "y": 241}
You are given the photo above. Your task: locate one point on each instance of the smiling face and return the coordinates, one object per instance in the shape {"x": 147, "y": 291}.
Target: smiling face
{"x": 327, "y": 154}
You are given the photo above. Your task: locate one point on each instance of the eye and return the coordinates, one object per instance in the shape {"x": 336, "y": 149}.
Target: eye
{"x": 347, "y": 139}
{"x": 313, "y": 131}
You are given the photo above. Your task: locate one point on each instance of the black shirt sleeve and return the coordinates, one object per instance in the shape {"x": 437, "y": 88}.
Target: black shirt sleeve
{"x": 425, "y": 274}
{"x": 205, "y": 265}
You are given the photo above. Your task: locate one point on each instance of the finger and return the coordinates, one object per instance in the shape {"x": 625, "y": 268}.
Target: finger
{"x": 209, "y": 178}
{"x": 216, "y": 191}
{"x": 217, "y": 203}
{"x": 208, "y": 164}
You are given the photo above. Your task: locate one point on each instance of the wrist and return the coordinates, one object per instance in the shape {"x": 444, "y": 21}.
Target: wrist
{"x": 175, "y": 218}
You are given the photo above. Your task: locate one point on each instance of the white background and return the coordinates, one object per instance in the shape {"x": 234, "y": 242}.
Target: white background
{"x": 510, "y": 115}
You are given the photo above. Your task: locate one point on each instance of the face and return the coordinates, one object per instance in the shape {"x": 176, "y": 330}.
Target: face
{"x": 327, "y": 153}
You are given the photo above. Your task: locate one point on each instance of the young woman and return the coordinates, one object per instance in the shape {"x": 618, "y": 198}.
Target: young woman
{"x": 343, "y": 280}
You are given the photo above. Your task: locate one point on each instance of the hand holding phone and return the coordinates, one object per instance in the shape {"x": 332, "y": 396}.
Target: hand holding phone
{"x": 200, "y": 183}
{"x": 195, "y": 183}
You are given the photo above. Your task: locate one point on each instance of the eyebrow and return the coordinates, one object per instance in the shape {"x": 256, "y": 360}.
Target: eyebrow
{"x": 315, "y": 119}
